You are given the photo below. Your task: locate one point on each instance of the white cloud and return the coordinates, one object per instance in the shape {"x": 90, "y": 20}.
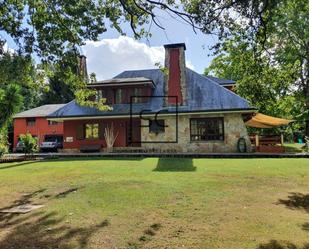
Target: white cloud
{"x": 109, "y": 57}
{"x": 7, "y": 49}
{"x": 189, "y": 64}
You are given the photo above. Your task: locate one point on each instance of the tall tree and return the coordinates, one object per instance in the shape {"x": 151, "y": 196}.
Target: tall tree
{"x": 288, "y": 43}
{"x": 266, "y": 85}
{"x": 19, "y": 85}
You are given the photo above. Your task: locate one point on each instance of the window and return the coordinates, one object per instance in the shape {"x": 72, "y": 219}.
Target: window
{"x": 92, "y": 131}
{"x": 207, "y": 129}
{"x": 98, "y": 96}
{"x": 156, "y": 126}
{"x": 105, "y": 94}
{"x": 30, "y": 121}
{"x": 50, "y": 122}
{"x": 118, "y": 96}
{"x": 137, "y": 93}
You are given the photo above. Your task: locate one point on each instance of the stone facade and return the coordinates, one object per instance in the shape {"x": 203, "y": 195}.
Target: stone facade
{"x": 234, "y": 128}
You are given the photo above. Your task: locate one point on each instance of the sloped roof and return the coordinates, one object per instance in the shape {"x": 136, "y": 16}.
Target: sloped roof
{"x": 203, "y": 94}
{"x": 120, "y": 81}
{"x": 123, "y": 80}
{"x": 41, "y": 111}
{"x": 222, "y": 82}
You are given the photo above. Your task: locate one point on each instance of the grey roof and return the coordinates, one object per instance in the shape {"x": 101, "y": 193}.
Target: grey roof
{"x": 221, "y": 81}
{"x": 123, "y": 80}
{"x": 118, "y": 81}
{"x": 203, "y": 94}
{"x": 41, "y": 111}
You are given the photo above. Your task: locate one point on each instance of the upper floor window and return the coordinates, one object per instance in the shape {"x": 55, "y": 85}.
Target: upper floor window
{"x": 51, "y": 122}
{"x": 30, "y": 121}
{"x": 118, "y": 96}
{"x": 207, "y": 129}
{"x": 138, "y": 93}
{"x": 98, "y": 96}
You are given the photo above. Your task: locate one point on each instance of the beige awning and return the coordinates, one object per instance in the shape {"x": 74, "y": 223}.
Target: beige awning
{"x": 264, "y": 121}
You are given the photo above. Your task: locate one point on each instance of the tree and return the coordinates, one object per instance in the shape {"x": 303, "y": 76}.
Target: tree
{"x": 288, "y": 43}
{"x": 10, "y": 102}
{"x": 267, "y": 85}
{"x": 49, "y": 27}
{"x": 20, "y": 85}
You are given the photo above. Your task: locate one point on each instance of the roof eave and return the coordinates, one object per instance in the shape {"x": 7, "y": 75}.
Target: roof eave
{"x": 196, "y": 112}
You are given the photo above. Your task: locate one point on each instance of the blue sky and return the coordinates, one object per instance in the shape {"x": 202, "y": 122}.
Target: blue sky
{"x": 114, "y": 54}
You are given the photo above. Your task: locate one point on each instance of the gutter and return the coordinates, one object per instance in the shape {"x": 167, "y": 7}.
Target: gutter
{"x": 209, "y": 112}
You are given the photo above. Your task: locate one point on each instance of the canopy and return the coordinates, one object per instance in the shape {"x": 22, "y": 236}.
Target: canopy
{"x": 264, "y": 121}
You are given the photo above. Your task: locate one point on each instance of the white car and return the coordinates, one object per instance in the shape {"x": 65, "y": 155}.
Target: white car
{"x": 51, "y": 143}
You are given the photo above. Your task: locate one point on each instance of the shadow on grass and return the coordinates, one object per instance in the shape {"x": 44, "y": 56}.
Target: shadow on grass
{"x": 48, "y": 231}
{"x": 13, "y": 165}
{"x": 274, "y": 244}
{"x": 42, "y": 230}
{"x": 65, "y": 193}
{"x": 175, "y": 164}
{"x": 5, "y": 218}
{"x": 296, "y": 201}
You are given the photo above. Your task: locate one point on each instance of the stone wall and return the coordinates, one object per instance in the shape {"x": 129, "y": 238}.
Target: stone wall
{"x": 234, "y": 128}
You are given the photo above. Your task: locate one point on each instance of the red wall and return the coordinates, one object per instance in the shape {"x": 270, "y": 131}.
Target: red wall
{"x": 40, "y": 129}
{"x": 120, "y": 126}
{"x": 174, "y": 77}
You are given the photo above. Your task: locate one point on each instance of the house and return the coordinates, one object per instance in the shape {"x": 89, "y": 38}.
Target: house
{"x": 178, "y": 110}
{"x": 34, "y": 121}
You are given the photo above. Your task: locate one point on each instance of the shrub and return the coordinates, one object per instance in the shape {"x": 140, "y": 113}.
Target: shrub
{"x": 30, "y": 143}
{"x": 3, "y": 144}
{"x": 3, "y": 149}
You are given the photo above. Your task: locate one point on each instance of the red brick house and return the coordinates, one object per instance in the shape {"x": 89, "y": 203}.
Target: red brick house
{"x": 34, "y": 121}
{"x": 179, "y": 111}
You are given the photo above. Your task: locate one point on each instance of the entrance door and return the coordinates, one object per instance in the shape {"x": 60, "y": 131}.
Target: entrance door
{"x": 133, "y": 133}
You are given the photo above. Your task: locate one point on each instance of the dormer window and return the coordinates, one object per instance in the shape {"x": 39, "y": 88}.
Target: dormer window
{"x": 98, "y": 96}
{"x": 120, "y": 90}
{"x": 137, "y": 93}
{"x": 118, "y": 96}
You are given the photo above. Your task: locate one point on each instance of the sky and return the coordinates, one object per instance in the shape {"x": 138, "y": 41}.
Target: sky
{"x": 114, "y": 53}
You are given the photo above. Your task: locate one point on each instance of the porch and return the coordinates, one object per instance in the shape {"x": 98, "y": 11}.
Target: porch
{"x": 89, "y": 135}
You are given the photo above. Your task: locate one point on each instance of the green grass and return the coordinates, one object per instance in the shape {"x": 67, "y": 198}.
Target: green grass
{"x": 157, "y": 203}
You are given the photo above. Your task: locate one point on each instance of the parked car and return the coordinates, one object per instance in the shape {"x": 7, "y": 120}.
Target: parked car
{"x": 20, "y": 147}
{"x": 52, "y": 143}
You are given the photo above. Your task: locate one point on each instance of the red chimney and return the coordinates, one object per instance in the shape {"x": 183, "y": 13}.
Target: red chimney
{"x": 175, "y": 80}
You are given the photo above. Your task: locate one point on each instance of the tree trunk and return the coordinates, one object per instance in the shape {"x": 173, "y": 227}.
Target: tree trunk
{"x": 305, "y": 80}
{"x": 307, "y": 128}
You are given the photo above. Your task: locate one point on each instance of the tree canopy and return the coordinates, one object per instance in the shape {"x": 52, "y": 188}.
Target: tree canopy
{"x": 272, "y": 74}
{"x": 50, "y": 27}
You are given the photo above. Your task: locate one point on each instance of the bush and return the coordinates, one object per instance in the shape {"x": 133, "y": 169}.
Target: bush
{"x": 3, "y": 149}
{"x": 3, "y": 144}
{"x": 30, "y": 143}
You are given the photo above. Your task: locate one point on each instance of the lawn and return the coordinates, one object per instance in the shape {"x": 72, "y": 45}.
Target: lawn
{"x": 157, "y": 203}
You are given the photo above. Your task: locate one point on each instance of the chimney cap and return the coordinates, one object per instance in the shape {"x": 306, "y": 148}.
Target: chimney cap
{"x": 175, "y": 45}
